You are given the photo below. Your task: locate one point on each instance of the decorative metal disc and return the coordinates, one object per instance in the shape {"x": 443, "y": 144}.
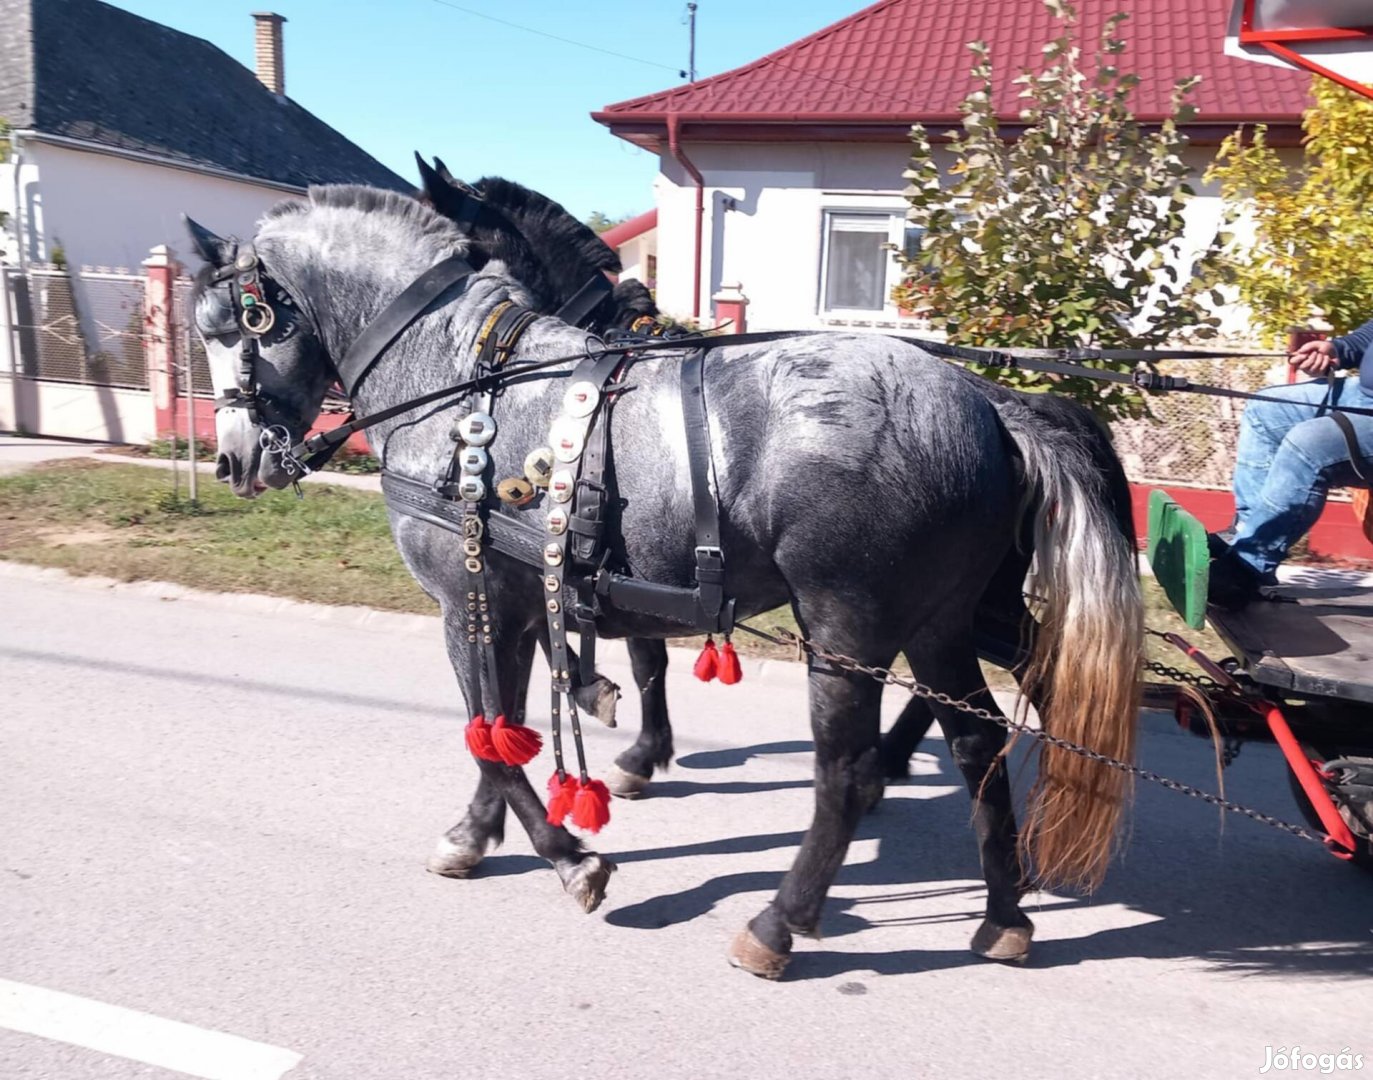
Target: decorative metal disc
{"x": 538, "y": 466}
{"x": 562, "y": 485}
{"x": 553, "y": 554}
{"x": 473, "y": 460}
{"x": 557, "y": 521}
{"x": 472, "y": 488}
{"x": 477, "y": 429}
{"x": 568, "y": 438}
{"x": 515, "y": 491}
{"x": 580, "y": 399}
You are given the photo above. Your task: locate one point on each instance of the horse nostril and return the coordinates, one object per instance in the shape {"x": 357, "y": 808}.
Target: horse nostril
{"x": 222, "y": 468}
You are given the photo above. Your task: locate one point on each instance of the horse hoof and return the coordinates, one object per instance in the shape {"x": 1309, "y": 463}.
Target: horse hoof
{"x": 749, "y": 954}
{"x": 453, "y": 860}
{"x": 625, "y": 785}
{"x": 599, "y": 699}
{"x": 586, "y": 882}
{"x": 1008, "y": 944}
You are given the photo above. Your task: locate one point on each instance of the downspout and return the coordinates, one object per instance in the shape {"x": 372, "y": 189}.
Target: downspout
{"x": 17, "y": 161}
{"x": 675, "y": 149}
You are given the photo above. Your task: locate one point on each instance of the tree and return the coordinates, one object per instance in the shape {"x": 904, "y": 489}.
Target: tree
{"x": 1312, "y": 252}
{"x": 600, "y": 222}
{"x": 1070, "y": 235}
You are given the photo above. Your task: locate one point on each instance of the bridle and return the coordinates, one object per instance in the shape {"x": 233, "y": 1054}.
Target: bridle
{"x": 255, "y": 317}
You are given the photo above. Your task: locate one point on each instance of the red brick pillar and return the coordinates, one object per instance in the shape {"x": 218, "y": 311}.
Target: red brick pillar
{"x": 731, "y": 307}
{"x": 160, "y": 269}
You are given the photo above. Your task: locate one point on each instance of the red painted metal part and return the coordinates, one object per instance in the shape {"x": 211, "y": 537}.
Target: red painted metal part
{"x": 1337, "y": 832}
{"x": 1275, "y": 42}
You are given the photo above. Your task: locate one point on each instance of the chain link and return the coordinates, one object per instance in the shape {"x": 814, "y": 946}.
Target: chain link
{"x": 918, "y": 689}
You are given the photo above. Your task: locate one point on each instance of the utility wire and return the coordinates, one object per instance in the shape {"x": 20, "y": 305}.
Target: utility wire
{"x": 554, "y": 37}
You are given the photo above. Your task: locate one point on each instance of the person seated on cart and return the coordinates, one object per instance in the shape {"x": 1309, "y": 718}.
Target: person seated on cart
{"x": 1290, "y": 455}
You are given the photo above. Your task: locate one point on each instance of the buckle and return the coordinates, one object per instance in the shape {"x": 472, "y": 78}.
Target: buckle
{"x": 710, "y": 552}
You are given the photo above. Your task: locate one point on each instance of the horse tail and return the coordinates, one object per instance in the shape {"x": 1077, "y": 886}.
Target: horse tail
{"x": 1084, "y": 668}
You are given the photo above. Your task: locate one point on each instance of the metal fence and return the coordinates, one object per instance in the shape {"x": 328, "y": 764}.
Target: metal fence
{"x": 187, "y": 346}
{"x": 84, "y": 328}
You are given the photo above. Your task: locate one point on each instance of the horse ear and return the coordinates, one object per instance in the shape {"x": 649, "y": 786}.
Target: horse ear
{"x": 215, "y": 250}
{"x": 442, "y": 170}
{"x": 435, "y": 187}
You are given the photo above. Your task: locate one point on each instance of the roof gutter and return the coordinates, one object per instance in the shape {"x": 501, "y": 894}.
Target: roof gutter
{"x": 685, "y": 162}
{"x": 90, "y": 147}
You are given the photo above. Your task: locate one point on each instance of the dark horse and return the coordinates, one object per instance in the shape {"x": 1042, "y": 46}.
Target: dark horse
{"x": 872, "y": 486}
{"x": 553, "y": 254}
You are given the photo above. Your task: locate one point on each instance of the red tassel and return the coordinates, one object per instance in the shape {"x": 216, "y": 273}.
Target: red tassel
{"x": 591, "y": 808}
{"x": 708, "y": 663}
{"x": 479, "y": 739}
{"x": 730, "y": 671}
{"x": 515, "y": 744}
{"x": 561, "y": 796}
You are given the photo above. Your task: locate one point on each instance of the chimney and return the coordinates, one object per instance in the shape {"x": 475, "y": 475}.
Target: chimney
{"x": 271, "y": 70}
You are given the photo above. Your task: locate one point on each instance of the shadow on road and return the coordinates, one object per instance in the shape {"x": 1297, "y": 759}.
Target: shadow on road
{"x": 1246, "y": 901}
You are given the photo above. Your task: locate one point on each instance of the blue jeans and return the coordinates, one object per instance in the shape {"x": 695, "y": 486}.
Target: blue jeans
{"x": 1290, "y": 455}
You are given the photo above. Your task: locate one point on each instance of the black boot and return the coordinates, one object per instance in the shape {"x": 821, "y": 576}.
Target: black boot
{"x": 1233, "y": 582}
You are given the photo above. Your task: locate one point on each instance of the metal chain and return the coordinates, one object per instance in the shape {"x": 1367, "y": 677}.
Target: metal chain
{"x": 919, "y": 689}
{"x": 1202, "y": 682}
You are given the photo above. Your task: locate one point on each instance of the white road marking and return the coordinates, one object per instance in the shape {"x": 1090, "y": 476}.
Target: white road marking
{"x": 138, "y": 1036}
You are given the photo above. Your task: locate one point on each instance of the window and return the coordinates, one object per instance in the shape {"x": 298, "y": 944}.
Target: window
{"x": 856, "y": 261}
{"x": 858, "y": 266}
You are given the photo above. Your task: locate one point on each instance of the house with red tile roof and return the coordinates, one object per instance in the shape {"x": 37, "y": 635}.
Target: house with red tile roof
{"x": 784, "y": 175}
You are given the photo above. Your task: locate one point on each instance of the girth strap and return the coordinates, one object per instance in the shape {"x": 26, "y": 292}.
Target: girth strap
{"x": 710, "y": 560}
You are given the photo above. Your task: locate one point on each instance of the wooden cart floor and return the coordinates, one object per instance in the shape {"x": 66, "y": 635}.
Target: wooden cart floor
{"x": 1319, "y": 640}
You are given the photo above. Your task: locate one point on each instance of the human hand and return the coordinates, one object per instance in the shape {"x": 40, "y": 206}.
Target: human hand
{"x": 1315, "y": 358}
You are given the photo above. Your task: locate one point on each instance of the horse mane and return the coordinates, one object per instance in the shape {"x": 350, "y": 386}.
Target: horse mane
{"x": 550, "y": 227}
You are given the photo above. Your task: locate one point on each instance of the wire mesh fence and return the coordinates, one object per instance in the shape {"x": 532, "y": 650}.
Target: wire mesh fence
{"x": 1191, "y": 438}
{"x": 85, "y": 328}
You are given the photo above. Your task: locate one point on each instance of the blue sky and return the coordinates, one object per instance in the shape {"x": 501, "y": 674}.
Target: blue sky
{"x": 403, "y": 75}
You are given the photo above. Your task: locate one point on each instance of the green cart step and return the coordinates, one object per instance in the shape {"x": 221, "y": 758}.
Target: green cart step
{"x": 1180, "y": 558}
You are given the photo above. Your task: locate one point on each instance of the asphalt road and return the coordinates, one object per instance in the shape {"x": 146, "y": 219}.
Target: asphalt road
{"x": 218, "y": 816}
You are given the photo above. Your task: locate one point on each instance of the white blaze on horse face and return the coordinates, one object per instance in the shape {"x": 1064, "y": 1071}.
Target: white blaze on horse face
{"x": 235, "y": 434}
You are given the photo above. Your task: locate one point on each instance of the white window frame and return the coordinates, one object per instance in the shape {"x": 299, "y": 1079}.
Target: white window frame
{"x": 891, "y": 207}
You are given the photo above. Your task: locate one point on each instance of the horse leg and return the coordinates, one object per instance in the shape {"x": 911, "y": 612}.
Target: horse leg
{"x": 976, "y": 745}
{"x": 898, "y": 744}
{"x": 845, "y": 722}
{"x": 482, "y": 828}
{"x": 584, "y": 874}
{"x": 633, "y": 769}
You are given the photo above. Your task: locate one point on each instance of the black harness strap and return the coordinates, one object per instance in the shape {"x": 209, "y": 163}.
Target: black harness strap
{"x": 585, "y": 300}
{"x": 1363, "y": 469}
{"x": 715, "y": 615}
{"x": 396, "y": 317}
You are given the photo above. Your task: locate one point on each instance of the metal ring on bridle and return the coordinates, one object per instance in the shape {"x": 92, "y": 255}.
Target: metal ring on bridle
{"x": 258, "y": 319}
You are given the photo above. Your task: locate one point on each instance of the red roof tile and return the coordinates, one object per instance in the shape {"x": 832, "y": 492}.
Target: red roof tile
{"x": 906, "y": 60}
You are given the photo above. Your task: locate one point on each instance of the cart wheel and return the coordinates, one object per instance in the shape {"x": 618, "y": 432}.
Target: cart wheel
{"x": 1363, "y": 854}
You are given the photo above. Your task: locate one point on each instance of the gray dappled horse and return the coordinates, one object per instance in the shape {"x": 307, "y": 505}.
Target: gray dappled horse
{"x": 870, "y": 485}
{"x": 553, "y": 255}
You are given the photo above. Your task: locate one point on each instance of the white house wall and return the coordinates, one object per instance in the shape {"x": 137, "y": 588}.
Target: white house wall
{"x": 764, "y": 214}
{"x": 109, "y": 211}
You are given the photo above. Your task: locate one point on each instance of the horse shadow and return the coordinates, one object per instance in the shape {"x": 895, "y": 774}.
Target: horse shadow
{"x": 1244, "y": 900}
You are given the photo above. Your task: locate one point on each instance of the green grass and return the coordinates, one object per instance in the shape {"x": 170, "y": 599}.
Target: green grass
{"x": 120, "y": 521}
{"x": 332, "y": 547}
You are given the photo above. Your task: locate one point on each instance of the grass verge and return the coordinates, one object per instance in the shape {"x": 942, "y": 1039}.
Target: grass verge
{"x": 332, "y": 547}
